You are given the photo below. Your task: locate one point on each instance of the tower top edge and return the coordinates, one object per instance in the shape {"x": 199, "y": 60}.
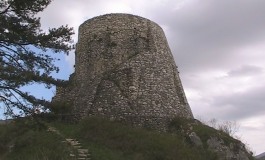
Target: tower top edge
{"x": 116, "y": 16}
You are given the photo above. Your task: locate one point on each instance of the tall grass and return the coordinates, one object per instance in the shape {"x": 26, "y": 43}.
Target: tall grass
{"x": 114, "y": 141}
{"x": 24, "y": 140}
{"x": 106, "y": 141}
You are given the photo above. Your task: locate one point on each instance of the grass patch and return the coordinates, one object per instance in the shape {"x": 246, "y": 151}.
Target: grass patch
{"x": 106, "y": 141}
{"x": 114, "y": 141}
{"x": 23, "y": 140}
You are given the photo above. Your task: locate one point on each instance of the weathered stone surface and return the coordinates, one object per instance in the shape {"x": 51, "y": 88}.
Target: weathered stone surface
{"x": 232, "y": 152}
{"x": 195, "y": 139}
{"x": 124, "y": 70}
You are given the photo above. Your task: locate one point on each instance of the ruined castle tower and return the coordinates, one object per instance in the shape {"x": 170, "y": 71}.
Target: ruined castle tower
{"x": 124, "y": 70}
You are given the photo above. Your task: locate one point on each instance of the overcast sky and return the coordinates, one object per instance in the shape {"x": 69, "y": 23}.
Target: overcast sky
{"x": 219, "y": 47}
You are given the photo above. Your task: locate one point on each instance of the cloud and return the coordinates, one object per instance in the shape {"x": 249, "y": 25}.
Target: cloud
{"x": 243, "y": 104}
{"x": 246, "y": 70}
{"x": 235, "y": 94}
{"x": 206, "y": 30}
{"x": 252, "y": 133}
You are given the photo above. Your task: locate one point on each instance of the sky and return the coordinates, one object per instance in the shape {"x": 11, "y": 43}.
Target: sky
{"x": 218, "y": 46}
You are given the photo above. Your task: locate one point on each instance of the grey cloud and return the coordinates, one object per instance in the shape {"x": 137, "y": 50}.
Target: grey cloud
{"x": 242, "y": 105}
{"x": 205, "y": 33}
{"x": 246, "y": 70}
{"x": 61, "y": 12}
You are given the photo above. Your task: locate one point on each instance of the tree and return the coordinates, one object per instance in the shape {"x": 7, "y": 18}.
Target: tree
{"x": 26, "y": 53}
{"x": 228, "y": 127}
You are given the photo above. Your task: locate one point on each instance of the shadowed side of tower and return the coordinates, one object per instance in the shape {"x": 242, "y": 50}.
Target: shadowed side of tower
{"x": 125, "y": 71}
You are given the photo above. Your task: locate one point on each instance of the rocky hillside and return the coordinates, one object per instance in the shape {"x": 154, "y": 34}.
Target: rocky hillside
{"x": 260, "y": 156}
{"x": 105, "y": 140}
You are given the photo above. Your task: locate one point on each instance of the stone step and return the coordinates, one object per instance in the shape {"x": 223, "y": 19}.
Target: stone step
{"x": 72, "y": 155}
{"x": 77, "y": 147}
{"x": 82, "y": 155}
{"x": 69, "y": 139}
{"x": 82, "y": 150}
{"x": 74, "y": 143}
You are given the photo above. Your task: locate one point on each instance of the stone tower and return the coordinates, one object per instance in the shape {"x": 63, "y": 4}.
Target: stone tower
{"x": 124, "y": 70}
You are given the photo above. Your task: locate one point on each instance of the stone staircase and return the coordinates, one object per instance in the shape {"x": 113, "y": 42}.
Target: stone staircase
{"x": 77, "y": 152}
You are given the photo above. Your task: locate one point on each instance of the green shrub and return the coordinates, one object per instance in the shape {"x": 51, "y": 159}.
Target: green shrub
{"x": 61, "y": 107}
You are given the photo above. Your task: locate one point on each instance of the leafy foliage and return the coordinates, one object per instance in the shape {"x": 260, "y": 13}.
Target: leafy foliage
{"x": 25, "y": 53}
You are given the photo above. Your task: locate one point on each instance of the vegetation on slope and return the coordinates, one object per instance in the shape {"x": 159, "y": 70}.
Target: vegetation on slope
{"x": 105, "y": 140}
{"x": 114, "y": 141}
{"x": 26, "y": 140}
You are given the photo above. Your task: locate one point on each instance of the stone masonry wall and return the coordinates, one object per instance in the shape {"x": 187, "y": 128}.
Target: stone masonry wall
{"x": 124, "y": 70}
